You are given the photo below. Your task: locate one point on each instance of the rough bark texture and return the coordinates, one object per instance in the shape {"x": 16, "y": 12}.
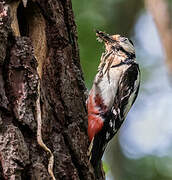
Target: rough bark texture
{"x": 41, "y": 36}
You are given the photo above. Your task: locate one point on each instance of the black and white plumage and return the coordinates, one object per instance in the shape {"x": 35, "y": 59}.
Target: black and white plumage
{"x": 114, "y": 91}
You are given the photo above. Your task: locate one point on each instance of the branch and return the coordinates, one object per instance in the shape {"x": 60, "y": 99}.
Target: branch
{"x": 161, "y": 16}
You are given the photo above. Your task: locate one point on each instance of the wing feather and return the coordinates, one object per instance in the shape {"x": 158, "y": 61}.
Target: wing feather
{"x": 128, "y": 90}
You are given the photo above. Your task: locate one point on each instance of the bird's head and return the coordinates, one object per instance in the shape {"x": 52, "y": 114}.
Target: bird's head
{"x": 116, "y": 42}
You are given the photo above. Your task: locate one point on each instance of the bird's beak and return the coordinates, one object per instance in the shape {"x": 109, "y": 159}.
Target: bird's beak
{"x": 105, "y": 37}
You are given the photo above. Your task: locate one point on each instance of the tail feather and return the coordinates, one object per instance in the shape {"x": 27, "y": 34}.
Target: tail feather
{"x": 97, "y": 150}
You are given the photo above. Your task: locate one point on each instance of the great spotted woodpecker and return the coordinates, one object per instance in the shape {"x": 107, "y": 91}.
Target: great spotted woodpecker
{"x": 114, "y": 91}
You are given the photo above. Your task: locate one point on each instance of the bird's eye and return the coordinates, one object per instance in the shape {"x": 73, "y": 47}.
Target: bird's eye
{"x": 123, "y": 39}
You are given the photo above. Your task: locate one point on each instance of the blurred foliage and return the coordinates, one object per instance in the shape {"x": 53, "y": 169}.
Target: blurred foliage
{"x": 146, "y": 168}
{"x": 170, "y": 9}
{"x": 116, "y": 17}
{"x": 106, "y": 167}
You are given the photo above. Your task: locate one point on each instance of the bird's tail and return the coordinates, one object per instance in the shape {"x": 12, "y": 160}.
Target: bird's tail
{"x": 96, "y": 149}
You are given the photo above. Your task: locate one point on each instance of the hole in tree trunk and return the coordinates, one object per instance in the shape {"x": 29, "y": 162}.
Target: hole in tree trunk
{"x": 22, "y": 20}
{"x": 30, "y": 22}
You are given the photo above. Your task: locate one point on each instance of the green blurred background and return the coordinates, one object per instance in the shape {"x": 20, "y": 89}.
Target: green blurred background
{"x": 142, "y": 150}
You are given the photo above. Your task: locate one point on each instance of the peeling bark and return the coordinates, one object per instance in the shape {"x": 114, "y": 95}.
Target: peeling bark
{"x": 40, "y": 47}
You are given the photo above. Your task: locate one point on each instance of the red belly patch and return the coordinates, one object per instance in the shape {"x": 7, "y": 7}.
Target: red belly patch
{"x": 95, "y": 124}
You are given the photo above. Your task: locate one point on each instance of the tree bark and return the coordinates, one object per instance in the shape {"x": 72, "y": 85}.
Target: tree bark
{"x": 42, "y": 93}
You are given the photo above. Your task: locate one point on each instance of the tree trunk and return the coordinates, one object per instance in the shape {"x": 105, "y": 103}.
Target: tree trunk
{"x": 43, "y": 118}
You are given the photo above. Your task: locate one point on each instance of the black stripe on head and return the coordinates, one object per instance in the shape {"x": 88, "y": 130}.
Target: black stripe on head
{"x": 120, "y": 48}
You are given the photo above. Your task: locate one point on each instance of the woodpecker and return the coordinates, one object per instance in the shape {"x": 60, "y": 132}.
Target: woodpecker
{"x": 114, "y": 91}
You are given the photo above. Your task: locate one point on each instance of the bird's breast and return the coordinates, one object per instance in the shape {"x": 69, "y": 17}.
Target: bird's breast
{"x": 109, "y": 83}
